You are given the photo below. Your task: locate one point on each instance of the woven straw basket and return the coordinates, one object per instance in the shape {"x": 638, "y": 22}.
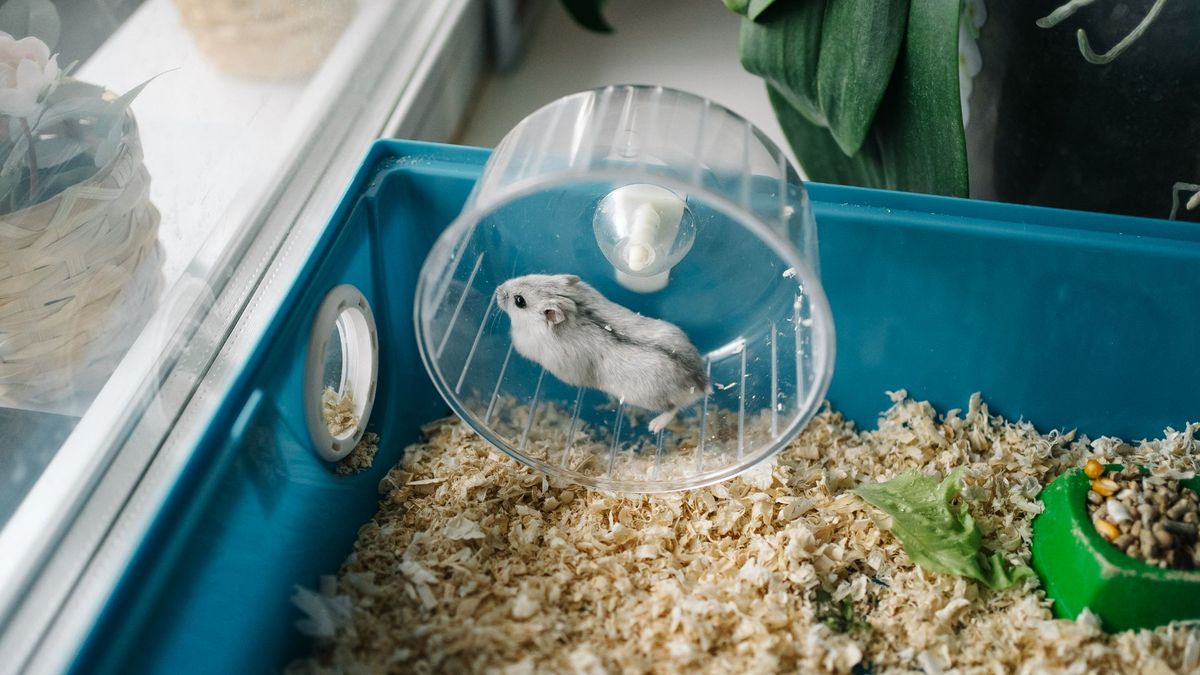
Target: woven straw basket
{"x": 79, "y": 275}
{"x": 265, "y": 39}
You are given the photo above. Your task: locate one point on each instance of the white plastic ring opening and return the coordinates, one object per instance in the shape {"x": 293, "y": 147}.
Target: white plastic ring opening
{"x": 343, "y": 356}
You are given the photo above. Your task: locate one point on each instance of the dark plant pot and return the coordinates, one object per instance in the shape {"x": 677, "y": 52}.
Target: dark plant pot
{"x": 1049, "y": 128}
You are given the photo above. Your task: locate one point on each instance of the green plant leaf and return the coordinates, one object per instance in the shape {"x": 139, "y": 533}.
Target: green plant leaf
{"x": 783, "y": 49}
{"x": 923, "y": 136}
{"x": 72, "y": 110}
{"x": 936, "y": 534}
{"x": 39, "y": 18}
{"x": 588, "y": 13}
{"x": 81, "y": 101}
{"x": 916, "y": 141}
{"x": 108, "y": 148}
{"x": 125, "y": 99}
{"x": 51, "y": 152}
{"x": 54, "y": 182}
{"x": 69, "y": 89}
{"x": 757, "y": 7}
{"x": 9, "y": 191}
{"x": 860, "y": 42}
{"x": 751, "y": 9}
{"x": 820, "y": 155}
{"x": 737, "y": 6}
{"x": 17, "y": 156}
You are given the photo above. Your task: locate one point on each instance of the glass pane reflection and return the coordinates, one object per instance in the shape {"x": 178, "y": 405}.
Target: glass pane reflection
{"x": 133, "y": 134}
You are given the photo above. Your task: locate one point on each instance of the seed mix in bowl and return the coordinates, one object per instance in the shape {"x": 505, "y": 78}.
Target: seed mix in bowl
{"x": 1151, "y": 518}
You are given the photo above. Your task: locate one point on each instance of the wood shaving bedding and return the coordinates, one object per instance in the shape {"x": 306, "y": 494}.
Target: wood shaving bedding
{"x": 590, "y": 450}
{"x": 360, "y": 458}
{"x": 338, "y": 411}
{"x": 475, "y": 563}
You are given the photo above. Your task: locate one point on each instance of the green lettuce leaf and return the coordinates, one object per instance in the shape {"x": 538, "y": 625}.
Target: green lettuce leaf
{"x": 936, "y": 534}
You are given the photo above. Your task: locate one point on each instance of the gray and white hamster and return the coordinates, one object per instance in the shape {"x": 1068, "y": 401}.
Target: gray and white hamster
{"x": 586, "y": 340}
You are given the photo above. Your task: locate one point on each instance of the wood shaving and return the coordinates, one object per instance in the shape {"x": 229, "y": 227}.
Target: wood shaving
{"x": 360, "y": 458}
{"x": 324, "y": 612}
{"x": 338, "y": 411}
{"x": 475, "y": 563}
{"x": 590, "y": 451}
{"x": 340, "y": 418}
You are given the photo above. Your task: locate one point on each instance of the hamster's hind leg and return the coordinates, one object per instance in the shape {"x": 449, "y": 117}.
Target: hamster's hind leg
{"x": 659, "y": 423}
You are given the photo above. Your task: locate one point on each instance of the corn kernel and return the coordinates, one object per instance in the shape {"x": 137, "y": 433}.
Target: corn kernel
{"x": 1107, "y": 487}
{"x": 1107, "y": 529}
{"x": 1093, "y": 469}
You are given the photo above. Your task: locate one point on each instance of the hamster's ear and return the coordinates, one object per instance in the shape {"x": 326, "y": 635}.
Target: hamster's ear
{"x": 571, "y": 279}
{"x": 556, "y": 311}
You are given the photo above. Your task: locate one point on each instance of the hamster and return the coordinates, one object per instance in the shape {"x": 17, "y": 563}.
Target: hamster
{"x": 586, "y": 340}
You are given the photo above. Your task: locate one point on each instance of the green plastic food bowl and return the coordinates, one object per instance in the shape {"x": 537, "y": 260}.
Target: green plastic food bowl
{"x": 1079, "y": 569}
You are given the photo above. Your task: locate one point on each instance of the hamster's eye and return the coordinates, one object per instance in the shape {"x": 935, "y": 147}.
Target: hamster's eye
{"x": 519, "y": 301}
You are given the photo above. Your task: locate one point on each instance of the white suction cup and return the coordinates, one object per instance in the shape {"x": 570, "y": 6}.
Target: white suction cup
{"x": 644, "y": 230}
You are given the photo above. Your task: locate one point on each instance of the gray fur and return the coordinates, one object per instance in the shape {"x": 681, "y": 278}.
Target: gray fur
{"x": 586, "y": 340}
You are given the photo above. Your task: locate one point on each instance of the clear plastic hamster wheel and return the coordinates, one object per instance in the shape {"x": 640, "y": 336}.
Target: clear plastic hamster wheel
{"x": 669, "y": 205}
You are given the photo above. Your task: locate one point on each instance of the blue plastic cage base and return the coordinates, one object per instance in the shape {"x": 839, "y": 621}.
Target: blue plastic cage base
{"x": 1065, "y": 319}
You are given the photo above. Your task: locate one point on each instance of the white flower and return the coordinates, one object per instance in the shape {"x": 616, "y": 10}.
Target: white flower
{"x": 970, "y": 62}
{"x": 974, "y": 13}
{"x": 27, "y": 72}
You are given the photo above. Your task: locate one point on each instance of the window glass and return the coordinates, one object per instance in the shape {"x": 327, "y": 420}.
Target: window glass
{"x": 135, "y": 134}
